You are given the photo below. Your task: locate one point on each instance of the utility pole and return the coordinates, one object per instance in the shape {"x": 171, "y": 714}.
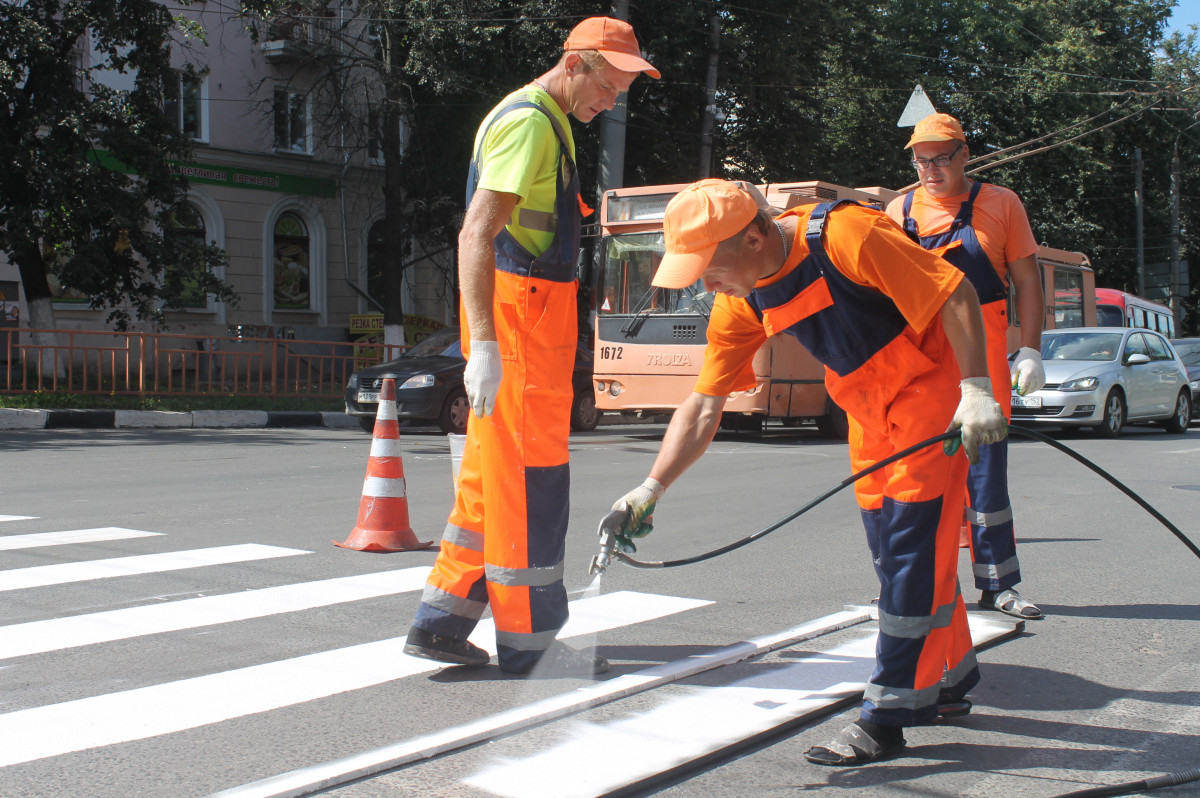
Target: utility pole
{"x": 708, "y": 121}
{"x": 1139, "y": 200}
{"x": 612, "y": 132}
{"x": 1176, "y": 283}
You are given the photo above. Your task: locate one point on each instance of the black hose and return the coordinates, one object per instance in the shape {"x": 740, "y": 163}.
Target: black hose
{"x": 1132, "y": 787}
{"x": 850, "y": 480}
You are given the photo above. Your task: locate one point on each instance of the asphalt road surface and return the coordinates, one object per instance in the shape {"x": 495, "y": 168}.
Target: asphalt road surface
{"x": 175, "y": 621}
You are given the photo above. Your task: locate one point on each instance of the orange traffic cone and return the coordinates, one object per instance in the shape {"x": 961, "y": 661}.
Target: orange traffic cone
{"x": 383, "y": 514}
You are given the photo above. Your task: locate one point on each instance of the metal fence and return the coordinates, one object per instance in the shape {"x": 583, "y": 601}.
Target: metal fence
{"x": 166, "y": 364}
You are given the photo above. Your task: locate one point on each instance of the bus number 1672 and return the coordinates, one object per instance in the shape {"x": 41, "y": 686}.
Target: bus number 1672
{"x": 611, "y": 352}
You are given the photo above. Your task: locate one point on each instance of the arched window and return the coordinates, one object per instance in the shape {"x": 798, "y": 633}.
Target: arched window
{"x": 186, "y": 234}
{"x": 292, "y": 272}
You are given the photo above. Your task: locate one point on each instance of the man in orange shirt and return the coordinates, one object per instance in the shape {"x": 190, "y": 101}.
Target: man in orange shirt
{"x": 899, "y": 332}
{"x": 983, "y": 230}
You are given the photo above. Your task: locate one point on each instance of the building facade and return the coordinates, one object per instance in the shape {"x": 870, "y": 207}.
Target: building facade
{"x": 288, "y": 186}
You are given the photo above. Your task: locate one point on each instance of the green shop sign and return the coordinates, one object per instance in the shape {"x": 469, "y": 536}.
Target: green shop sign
{"x": 237, "y": 178}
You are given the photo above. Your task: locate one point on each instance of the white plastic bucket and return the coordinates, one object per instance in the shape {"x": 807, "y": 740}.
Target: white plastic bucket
{"x": 457, "y": 442}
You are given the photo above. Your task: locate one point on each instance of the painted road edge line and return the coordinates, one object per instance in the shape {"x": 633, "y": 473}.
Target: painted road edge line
{"x": 306, "y": 781}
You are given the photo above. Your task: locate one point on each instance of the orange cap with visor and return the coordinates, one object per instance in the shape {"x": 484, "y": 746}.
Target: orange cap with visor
{"x": 696, "y": 220}
{"x": 613, "y": 39}
{"x": 937, "y": 127}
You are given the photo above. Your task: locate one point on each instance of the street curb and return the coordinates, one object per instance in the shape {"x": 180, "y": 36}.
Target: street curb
{"x": 22, "y": 418}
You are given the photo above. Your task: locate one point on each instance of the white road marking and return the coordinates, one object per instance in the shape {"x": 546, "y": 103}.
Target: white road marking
{"x": 103, "y": 720}
{"x": 37, "y": 637}
{"x": 18, "y": 517}
{"x": 33, "y": 541}
{"x": 342, "y": 771}
{"x": 43, "y": 575}
{"x": 715, "y": 717}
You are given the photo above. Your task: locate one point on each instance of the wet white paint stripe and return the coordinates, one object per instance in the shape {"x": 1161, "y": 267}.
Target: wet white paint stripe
{"x": 33, "y": 541}
{"x": 715, "y": 718}
{"x": 162, "y": 709}
{"x": 329, "y": 774}
{"x": 37, "y": 637}
{"x": 18, "y": 517}
{"x": 43, "y": 575}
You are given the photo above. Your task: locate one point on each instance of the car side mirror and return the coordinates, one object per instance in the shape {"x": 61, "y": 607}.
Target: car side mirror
{"x": 1136, "y": 359}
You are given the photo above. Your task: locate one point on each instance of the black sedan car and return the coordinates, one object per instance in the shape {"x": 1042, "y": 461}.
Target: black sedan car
{"x": 429, "y": 386}
{"x": 1188, "y": 350}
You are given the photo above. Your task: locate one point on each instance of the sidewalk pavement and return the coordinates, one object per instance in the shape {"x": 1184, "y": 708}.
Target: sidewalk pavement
{"x": 20, "y": 418}
{"x": 14, "y": 418}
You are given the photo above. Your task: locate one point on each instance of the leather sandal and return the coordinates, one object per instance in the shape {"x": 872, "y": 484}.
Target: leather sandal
{"x": 954, "y": 709}
{"x": 851, "y": 747}
{"x": 1010, "y": 603}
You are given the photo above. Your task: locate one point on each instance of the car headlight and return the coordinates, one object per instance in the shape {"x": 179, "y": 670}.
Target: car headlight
{"x": 419, "y": 381}
{"x": 1080, "y": 384}
{"x": 1194, "y": 385}
{"x": 352, "y": 382}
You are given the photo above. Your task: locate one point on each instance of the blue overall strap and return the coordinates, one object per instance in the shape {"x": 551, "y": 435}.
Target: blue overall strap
{"x": 963, "y": 219}
{"x": 564, "y": 145}
{"x": 816, "y": 225}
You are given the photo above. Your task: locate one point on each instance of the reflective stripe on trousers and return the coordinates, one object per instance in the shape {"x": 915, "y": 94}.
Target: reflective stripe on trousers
{"x": 989, "y": 510}
{"x": 912, "y": 511}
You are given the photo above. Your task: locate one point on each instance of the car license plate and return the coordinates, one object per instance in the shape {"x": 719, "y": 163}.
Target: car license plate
{"x": 368, "y": 396}
{"x": 1026, "y": 401}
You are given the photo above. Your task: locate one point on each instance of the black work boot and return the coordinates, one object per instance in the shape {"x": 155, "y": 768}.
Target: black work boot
{"x": 425, "y": 644}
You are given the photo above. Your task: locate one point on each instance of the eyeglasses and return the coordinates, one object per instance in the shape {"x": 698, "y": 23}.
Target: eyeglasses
{"x": 937, "y": 160}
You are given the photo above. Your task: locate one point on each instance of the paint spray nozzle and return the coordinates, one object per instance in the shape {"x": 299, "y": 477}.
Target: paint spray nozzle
{"x": 610, "y": 525}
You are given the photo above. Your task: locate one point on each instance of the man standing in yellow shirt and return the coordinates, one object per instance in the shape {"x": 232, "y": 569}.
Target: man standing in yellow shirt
{"x": 506, "y": 536}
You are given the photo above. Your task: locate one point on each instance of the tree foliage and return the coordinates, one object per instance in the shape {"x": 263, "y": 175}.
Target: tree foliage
{"x": 87, "y": 189}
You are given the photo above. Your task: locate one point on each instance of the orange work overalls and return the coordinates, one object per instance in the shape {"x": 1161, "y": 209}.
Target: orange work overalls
{"x": 989, "y": 510}
{"x": 506, "y": 536}
{"x": 898, "y": 388}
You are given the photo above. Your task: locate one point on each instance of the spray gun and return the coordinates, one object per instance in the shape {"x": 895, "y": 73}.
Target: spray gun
{"x": 610, "y": 525}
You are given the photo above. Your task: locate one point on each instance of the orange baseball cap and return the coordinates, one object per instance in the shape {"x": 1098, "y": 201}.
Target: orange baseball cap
{"x": 613, "y": 39}
{"x": 696, "y": 220}
{"x": 937, "y": 127}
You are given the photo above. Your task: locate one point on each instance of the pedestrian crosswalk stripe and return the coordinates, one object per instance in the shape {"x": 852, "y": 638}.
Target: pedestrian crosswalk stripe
{"x": 37, "y": 637}
{"x": 86, "y": 723}
{"x": 650, "y": 741}
{"x": 13, "y": 542}
{"x": 715, "y": 717}
{"x": 43, "y": 575}
{"x": 18, "y": 517}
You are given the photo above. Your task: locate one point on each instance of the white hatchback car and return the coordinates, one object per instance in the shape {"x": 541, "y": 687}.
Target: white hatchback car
{"x": 1103, "y": 377}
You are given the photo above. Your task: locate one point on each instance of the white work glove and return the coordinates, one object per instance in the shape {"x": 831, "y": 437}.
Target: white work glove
{"x": 482, "y": 377}
{"x": 640, "y": 503}
{"x": 1028, "y": 375}
{"x": 980, "y": 417}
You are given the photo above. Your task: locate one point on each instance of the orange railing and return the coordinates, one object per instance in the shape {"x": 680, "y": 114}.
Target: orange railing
{"x": 100, "y": 361}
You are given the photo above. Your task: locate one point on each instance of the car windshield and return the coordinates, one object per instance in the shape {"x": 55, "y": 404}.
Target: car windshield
{"x": 443, "y": 342}
{"x": 1189, "y": 353}
{"x": 1081, "y": 346}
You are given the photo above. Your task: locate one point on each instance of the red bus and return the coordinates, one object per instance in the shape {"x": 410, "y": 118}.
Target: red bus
{"x": 1121, "y": 309}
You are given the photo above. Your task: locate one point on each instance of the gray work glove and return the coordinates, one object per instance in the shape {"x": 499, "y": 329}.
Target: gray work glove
{"x": 639, "y": 504}
{"x": 979, "y": 416}
{"x": 482, "y": 377}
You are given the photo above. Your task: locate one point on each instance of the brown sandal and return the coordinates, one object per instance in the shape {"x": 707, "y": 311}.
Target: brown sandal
{"x": 853, "y": 746}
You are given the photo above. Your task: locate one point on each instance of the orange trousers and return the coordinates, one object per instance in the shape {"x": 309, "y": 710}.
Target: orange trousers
{"x": 912, "y": 510}
{"x": 505, "y": 540}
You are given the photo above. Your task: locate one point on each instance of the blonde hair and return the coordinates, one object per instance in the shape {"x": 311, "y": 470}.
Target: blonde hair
{"x": 592, "y": 59}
